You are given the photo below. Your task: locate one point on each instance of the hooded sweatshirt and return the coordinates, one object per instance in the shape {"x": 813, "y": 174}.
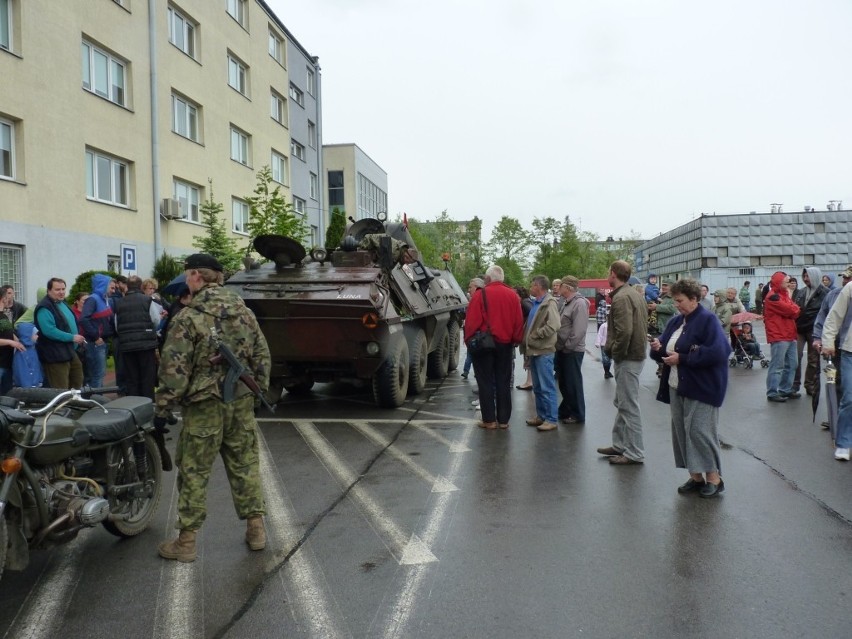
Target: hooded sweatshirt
{"x": 779, "y": 311}
{"x": 809, "y": 299}
{"x": 96, "y": 320}
{"x": 723, "y": 309}
{"x": 26, "y": 371}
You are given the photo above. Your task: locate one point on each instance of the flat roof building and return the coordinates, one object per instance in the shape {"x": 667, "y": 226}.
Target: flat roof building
{"x": 727, "y": 250}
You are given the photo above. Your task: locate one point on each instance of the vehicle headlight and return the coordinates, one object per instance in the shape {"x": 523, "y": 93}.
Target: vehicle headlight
{"x": 373, "y": 348}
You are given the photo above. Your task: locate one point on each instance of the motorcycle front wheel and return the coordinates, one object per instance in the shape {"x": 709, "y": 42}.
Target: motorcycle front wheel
{"x": 136, "y": 510}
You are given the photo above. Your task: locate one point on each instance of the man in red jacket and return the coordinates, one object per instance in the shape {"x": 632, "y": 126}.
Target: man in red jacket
{"x": 779, "y": 316}
{"x": 496, "y": 308}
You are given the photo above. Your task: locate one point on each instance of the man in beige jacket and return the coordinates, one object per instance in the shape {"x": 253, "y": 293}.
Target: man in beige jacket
{"x": 540, "y": 345}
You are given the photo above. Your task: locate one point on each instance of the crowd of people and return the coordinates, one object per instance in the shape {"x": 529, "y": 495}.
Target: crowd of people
{"x": 60, "y": 345}
{"x": 691, "y": 336}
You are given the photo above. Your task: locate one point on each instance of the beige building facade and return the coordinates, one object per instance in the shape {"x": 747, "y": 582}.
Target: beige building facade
{"x": 356, "y": 184}
{"x": 114, "y": 122}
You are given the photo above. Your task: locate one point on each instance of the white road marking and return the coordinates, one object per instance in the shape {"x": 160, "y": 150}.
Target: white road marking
{"x": 45, "y": 608}
{"x": 439, "y": 484}
{"x": 180, "y": 601}
{"x": 308, "y": 593}
{"x": 452, "y": 446}
{"x": 398, "y": 614}
{"x": 404, "y": 548}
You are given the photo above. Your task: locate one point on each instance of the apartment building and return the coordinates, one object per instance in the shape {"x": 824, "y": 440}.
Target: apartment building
{"x": 727, "y": 250}
{"x": 115, "y": 122}
{"x": 356, "y": 184}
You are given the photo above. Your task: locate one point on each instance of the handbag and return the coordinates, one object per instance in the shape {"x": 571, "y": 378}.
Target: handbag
{"x": 482, "y": 340}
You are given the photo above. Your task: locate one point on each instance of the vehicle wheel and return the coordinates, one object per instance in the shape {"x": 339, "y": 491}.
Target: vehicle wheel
{"x": 749, "y": 364}
{"x": 140, "y": 508}
{"x": 732, "y": 363}
{"x": 764, "y": 363}
{"x": 418, "y": 354}
{"x": 300, "y": 388}
{"x": 455, "y": 344}
{"x": 439, "y": 359}
{"x": 390, "y": 383}
{"x": 4, "y": 544}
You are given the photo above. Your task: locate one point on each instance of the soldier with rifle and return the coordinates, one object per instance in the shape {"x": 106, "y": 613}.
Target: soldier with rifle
{"x": 215, "y": 361}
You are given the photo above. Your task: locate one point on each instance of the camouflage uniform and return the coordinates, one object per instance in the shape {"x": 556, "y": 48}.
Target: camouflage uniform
{"x": 209, "y": 425}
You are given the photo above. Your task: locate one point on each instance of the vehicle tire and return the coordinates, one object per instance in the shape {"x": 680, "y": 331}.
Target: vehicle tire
{"x": 764, "y": 363}
{"x": 300, "y": 388}
{"x": 439, "y": 359}
{"x": 4, "y": 544}
{"x": 418, "y": 351}
{"x": 455, "y": 344}
{"x": 141, "y": 509}
{"x": 390, "y": 383}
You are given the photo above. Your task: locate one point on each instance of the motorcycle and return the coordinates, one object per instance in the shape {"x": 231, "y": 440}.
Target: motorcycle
{"x": 75, "y": 461}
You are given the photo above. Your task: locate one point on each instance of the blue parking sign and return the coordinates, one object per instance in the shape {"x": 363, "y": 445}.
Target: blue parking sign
{"x": 128, "y": 259}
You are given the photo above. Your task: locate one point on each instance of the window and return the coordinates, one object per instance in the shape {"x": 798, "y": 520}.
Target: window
{"x": 276, "y": 47}
{"x": 297, "y": 95}
{"x": 371, "y": 199}
{"x": 237, "y": 10}
{"x": 280, "y": 169}
{"x": 6, "y": 24}
{"x": 314, "y": 236}
{"x": 335, "y": 188}
{"x": 299, "y": 204}
{"x": 107, "y": 178}
{"x": 239, "y": 216}
{"x": 278, "y": 109}
{"x": 188, "y": 196}
{"x": 314, "y": 186}
{"x": 7, "y": 149}
{"x": 239, "y": 146}
{"x": 103, "y": 74}
{"x": 11, "y": 265}
{"x": 311, "y": 79}
{"x": 237, "y": 75}
{"x": 297, "y": 150}
{"x": 184, "y": 118}
{"x": 312, "y": 134}
{"x": 181, "y": 32}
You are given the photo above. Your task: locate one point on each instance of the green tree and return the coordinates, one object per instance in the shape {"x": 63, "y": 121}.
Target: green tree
{"x": 425, "y": 239}
{"x": 336, "y": 229}
{"x": 509, "y": 242}
{"x": 513, "y": 274}
{"x": 271, "y": 214}
{"x": 216, "y": 241}
{"x": 166, "y": 268}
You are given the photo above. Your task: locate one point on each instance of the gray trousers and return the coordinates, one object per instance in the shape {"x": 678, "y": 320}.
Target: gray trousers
{"x": 695, "y": 435}
{"x": 627, "y": 429}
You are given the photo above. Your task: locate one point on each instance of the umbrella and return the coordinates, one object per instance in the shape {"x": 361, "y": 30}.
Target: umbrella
{"x": 831, "y": 397}
{"x": 177, "y": 286}
{"x": 739, "y": 318}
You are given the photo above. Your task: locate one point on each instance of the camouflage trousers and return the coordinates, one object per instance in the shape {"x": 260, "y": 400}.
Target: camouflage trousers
{"x": 211, "y": 427}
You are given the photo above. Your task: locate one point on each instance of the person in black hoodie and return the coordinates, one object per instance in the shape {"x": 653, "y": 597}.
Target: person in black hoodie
{"x": 808, "y": 299}
{"x": 136, "y": 321}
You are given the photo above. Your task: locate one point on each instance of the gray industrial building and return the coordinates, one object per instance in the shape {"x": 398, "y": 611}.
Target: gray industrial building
{"x": 726, "y": 250}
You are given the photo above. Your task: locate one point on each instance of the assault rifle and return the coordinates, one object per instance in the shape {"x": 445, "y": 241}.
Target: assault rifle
{"x": 237, "y": 372}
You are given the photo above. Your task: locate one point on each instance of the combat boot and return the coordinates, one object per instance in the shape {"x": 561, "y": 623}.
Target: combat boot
{"x": 181, "y": 547}
{"x": 255, "y": 533}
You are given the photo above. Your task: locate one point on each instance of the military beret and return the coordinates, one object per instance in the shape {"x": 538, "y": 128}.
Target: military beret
{"x": 202, "y": 260}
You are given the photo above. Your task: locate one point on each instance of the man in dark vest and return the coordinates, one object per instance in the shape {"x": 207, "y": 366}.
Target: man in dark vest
{"x": 58, "y": 338}
{"x": 136, "y": 325}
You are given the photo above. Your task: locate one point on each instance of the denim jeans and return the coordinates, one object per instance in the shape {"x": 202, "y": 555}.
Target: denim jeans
{"x": 782, "y": 368}
{"x": 843, "y": 439}
{"x": 544, "y": 387}
{"x": 96, "y": 356}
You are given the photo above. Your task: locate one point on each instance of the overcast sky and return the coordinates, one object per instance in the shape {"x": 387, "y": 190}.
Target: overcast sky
{"x": 629, "y": 116}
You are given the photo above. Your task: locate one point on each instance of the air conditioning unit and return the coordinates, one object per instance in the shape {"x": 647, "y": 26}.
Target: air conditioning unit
{"x": 172, "y": 210}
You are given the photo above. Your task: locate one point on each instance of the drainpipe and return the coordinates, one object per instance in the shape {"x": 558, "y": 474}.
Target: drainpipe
{"x": 155, "y": 136}
{"x": 321, "y": 177}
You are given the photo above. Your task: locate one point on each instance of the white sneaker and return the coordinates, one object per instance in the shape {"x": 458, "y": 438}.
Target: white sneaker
{"x": 475, "y": 402}
{"x": 841, "y": 454}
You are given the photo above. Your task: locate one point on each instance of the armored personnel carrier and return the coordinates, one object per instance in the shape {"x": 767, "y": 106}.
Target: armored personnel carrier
{"x": 368, "y": 312}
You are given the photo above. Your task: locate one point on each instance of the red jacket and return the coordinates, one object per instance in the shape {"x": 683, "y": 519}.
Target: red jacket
{"x": 779, "y": 312}
{"x": 504, "y": 314}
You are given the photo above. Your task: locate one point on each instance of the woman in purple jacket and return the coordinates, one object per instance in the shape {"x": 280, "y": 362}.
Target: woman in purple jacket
{"x": 694, "y": 351}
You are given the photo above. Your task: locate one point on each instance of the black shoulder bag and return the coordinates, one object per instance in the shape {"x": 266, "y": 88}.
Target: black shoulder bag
{"x": 482, "y": 341}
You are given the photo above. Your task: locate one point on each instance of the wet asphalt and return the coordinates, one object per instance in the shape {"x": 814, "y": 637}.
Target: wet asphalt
{"x": 416, "y": 523}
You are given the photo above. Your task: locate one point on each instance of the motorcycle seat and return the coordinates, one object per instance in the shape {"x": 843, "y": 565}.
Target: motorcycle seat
{"x": 124, "y": 417}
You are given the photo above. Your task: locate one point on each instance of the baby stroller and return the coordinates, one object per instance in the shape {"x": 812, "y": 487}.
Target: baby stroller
{"x": 746, "y": 347}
